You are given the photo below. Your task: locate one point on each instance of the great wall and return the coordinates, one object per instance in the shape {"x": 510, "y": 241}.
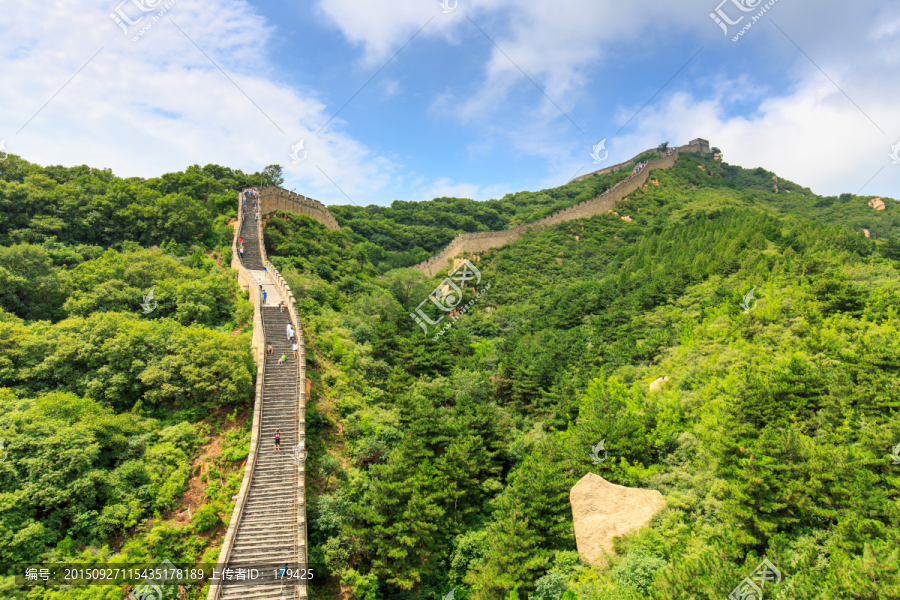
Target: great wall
{"x": 269, "y": 523}
{"x": 275, "y": 198}
{"x": 480, "y": 241}
{"x": 267, "y": 529}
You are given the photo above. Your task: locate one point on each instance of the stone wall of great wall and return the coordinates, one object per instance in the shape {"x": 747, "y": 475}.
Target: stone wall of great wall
{"x": 484, "y": 240}
{"x": 273, "y": 198}
{"x": 612, "y": 168}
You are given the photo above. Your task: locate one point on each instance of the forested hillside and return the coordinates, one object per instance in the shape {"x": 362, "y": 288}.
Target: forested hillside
{"x": 126, "y": 379}
{"x": 444, "y": 462}
{"x": 449, "y": 462}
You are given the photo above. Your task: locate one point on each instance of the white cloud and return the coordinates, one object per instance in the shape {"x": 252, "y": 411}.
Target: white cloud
{"x": 383, "y": 28}
{"x": 158, "y": 104}
{"x": 446, "y": 187}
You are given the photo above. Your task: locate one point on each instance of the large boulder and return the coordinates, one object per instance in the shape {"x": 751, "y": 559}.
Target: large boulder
{"x": 657, "y": 384}
{"x": 602, "y": 510}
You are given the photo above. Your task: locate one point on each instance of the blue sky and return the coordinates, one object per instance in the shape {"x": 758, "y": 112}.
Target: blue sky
{"x": 808, "y": 91}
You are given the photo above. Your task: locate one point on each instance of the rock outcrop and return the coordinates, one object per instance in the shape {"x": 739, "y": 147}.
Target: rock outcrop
{"x": 876, "y": 203}
{"x": 602, "y": 510}
{"x": 657, "y": 384}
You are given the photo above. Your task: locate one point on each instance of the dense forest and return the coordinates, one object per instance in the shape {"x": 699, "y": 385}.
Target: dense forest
{"x": 442, "y": 463}
{"x": 116, "y": 419}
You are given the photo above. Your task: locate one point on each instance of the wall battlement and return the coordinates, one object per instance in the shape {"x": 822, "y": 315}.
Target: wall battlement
{"x": 481, "y": 241}
{"x": 273, "y": 198}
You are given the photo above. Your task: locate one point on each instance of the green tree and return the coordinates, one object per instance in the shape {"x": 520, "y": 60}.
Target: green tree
{"x": 272, "y": 175}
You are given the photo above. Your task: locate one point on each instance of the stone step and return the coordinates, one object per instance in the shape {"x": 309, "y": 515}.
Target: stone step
{"x": 285, "y": 516}
{"x": 251, "y": 523}
{"x": 274, "y": 536}
{"x": 260, "y": 533}
{"x": 273, "y": 505}
{"x": 274, "y": 488}
{"x": 270, "y": 500}
{"x": 276, "y": 520}
{"x": 262, "y": 550}
{"x": 262, "y": 546}
{"x": 289, "y": 482}
{"x": 271, "y": 509}
{"x": 265, "y": 534}
{"x": 252, "y": 592}
{"x": 273, "y": 459}
{"x": 260, "y": 500}
{"x": 265, "y": 541}
{"x": 271, "y": 476}
{"x": 274, "y": 485}
{"x": 280, "y": 519}
{"x": 276, "y": 482}
{"x": 286, "y": 554}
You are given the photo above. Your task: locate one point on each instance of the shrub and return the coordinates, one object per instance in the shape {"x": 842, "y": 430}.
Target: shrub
{"x": 638, "y": 569}
{"x": 551, "y": 586}
{"x": 207, "y": 517}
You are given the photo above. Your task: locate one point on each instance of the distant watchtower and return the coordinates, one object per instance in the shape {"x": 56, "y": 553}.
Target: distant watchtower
{"x": 701, "y": 143}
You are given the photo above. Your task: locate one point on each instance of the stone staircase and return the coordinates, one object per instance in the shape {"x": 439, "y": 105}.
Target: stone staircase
{"x": 269, "y": 519}
{"x": 252, "y": 260}
{"x": 267, "y": 534}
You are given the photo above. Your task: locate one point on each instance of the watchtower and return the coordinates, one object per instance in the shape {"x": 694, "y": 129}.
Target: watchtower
{"x": 703, "y": 145}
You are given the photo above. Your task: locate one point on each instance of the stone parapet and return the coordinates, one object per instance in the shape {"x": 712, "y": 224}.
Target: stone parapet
{"x": 274, "y": 198}
{"x": 481, "y": 241}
